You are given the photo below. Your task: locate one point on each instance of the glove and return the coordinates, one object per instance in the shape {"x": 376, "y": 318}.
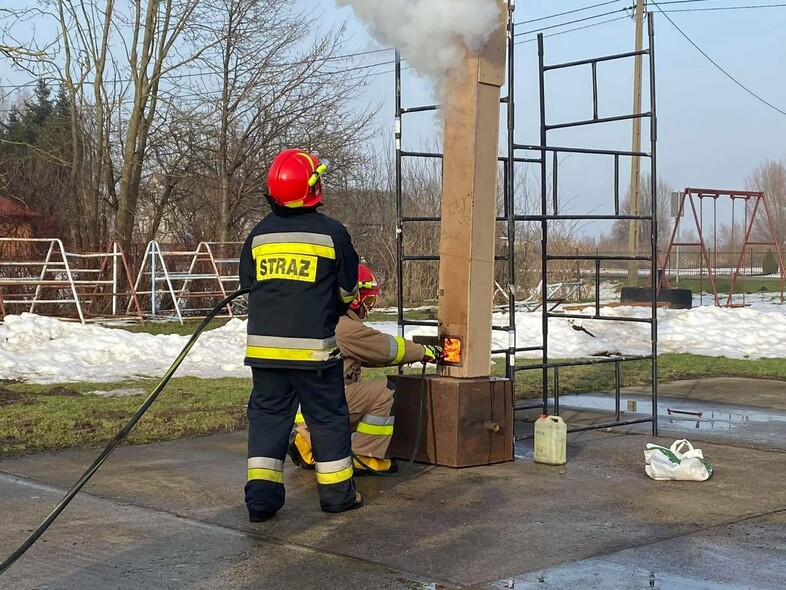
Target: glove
{"x": 432, "y": 353}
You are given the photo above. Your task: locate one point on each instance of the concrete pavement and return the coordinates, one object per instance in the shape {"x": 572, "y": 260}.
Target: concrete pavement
{"x": 171, "y": 515}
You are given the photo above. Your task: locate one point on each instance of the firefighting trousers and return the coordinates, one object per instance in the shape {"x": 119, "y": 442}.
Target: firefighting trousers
{"x": 370, "y": 404}
{"x": 271, "y": 413}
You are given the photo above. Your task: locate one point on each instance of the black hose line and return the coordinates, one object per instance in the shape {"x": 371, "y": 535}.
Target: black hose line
{"x": 421, "y": 401}
{"x": 121, "y": 434}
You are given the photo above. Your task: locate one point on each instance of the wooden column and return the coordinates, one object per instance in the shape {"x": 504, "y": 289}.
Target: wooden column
{"x": 469, "y": 188}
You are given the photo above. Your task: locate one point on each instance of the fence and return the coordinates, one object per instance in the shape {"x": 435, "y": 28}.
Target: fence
{"x": 174, "y": 282}
{"x": 38, "y": 275}
{"x": 685, "y": 261}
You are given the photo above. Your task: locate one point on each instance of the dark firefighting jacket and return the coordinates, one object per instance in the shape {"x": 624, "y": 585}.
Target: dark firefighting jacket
{"x": 363, "y": 346}
{"x": 303, "y": 272}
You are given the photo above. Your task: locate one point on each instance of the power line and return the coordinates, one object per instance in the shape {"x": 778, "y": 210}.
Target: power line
{"x": 534, "y": 20}
{"x": 713, "y": 62}
{"x": 374, "y": 51}
{"x": 603, "y": 22}
{"x": 683, "y": 1}
{"x": 624, "y": 9}
{"x": 628, "y": 8}
{"x": 356, "y": 54}
{"x": 361, "y": 53}
{"x": 204, "y": 74}
{"x": 624, "y": 17}
{"x": 711, "y": 8}
{"x": 356, "y": 68}
{"x": 570, "y": 22}
{"x": 381, "y": 50}
{"x": 367, "y": 66}
{"x": 375, "y": 74}
{"x": 167, "y": 93}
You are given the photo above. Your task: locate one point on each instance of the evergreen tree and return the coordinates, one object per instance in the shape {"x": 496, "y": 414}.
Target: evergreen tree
{"x": 769, "y": 265}
{"x": 34, "y": 154}
{"x": 41, "y": 108}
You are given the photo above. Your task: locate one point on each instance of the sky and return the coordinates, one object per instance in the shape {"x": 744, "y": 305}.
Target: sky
{"x": 38, "y": 349}
{"x": 711, "y": 133}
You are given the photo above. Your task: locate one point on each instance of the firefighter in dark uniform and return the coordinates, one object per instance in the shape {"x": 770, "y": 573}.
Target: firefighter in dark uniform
{"x": 301, "y": 268}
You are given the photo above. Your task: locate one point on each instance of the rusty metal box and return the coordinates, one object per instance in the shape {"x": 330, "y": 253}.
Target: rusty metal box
{"x": 466, "y": 422}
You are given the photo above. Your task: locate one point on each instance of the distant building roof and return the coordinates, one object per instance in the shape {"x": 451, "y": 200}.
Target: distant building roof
{"x": 16, "y": 209}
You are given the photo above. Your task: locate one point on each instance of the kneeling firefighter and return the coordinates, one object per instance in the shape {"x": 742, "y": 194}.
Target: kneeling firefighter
{"x": 301, "y": 268}
{"x": 370, "y": 402}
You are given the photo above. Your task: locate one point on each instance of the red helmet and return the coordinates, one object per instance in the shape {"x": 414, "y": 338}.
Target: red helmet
{"x": 367, "y": 286}
{"x": 294, "y": 179}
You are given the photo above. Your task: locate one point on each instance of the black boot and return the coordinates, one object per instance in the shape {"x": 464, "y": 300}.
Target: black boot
{"x": 254, "y": 516}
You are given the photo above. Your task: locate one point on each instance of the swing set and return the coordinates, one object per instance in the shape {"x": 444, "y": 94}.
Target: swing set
{"x": 754, "y": 206}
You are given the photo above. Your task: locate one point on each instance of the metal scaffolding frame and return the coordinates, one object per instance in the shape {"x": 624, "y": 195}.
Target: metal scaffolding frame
{"x": 549, "y": 213}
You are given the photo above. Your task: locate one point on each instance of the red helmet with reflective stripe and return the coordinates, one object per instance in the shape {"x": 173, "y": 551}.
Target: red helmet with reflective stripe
{"x": 294, "y": 179}
{"x": 367, "y": 287}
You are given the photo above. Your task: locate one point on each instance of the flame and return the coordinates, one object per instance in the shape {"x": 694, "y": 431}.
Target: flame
{"x": 451, "y": 350}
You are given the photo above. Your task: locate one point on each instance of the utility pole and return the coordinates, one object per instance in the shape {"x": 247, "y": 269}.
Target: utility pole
{"x": 635, "y": 163}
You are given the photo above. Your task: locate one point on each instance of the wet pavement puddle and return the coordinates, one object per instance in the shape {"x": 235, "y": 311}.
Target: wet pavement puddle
{"x": 677, "y": 412}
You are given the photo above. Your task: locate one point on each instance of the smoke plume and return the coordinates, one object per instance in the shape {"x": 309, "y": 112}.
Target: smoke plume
{"x": 432, "y": 35}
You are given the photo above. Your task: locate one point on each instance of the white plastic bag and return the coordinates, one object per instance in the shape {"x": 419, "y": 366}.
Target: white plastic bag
{"x": 674, "y": 463}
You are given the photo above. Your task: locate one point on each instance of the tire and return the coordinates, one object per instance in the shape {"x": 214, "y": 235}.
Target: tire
{"x": 677, "y": 298}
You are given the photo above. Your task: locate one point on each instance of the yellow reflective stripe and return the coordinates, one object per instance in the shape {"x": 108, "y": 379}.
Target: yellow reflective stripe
{"x": 288, "y": 354}
{"x": 401, "y": 349}
{"x": 294, "y": 248}
{"x": 330, "y": 472}
{"x": 286, "y": 342}
{"x": 299, "y": 419}
{"x": 376, "y": 429}
{"x": 335, "y": 476}
{"x": 348, "y": 296}
{"x": 266, "y": 474}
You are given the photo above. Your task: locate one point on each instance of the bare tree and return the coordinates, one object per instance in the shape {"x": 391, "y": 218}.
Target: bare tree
{"x": 84, "y": 39}
{"x": 619, "y": 231}
{"x": 174, "y": 164}
{"x": 265, "y": 84}
{"x": 154, "y": 51}
{"x": 113, "y": 96}
{"x": 366, "y": 204}
{"x": 18, "y": 55}
{"x": 770, "y": 177}
{"x": 25, "y": 55}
